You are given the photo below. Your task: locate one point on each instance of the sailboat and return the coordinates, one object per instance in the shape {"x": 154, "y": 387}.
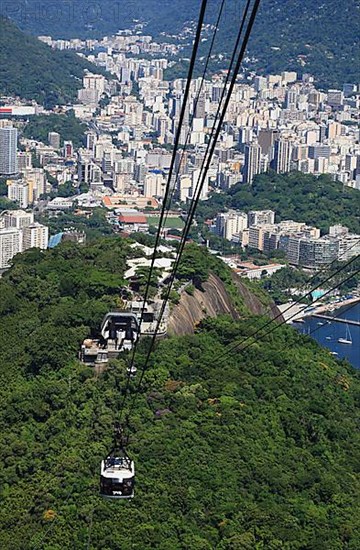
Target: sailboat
{"x": 348, "y": 337}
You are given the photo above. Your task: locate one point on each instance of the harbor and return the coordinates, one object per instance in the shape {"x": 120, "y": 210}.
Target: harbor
{"x": 340, "y": 332}
{"x": 294, "y": 312}
{"x": 337, "y": 319}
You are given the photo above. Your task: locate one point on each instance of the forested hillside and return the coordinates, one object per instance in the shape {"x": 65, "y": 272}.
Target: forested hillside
{"x": 317, "y": 201}
{"x": 319, "y": 38}
{"x": 32, "y": 70}
{"x": 254, "y": 450}
{"x": 68, "y": 126}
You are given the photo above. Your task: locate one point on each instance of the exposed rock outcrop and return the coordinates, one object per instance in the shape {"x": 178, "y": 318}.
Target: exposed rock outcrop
{"x": 214, "y": 300}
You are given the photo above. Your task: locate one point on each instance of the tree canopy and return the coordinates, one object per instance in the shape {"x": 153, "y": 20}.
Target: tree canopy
{"x": 317, "y": 201}
{"x": 254, "y": 449}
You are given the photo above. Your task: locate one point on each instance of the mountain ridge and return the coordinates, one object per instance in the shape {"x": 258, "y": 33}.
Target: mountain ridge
{"x": 32, "y": 70}
{"x": 297, "y": 35}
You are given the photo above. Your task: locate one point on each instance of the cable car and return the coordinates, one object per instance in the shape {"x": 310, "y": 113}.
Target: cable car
{"x": 117, "y": 477}
{"x": 132, "y": 371}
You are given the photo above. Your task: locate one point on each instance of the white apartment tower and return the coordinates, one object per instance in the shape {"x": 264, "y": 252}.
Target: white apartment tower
{"x": 18, "y": 191}
{"x": 17, "y": 219}
{"x": 8, "y": 151}
{"x": 154, "y": 185}
{"x": 94, "y": 82}
{"x": 35, "y": 235}
{"x": 10, "y": 245}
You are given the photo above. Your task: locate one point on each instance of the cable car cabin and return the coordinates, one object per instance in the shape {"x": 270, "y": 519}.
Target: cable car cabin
{"x": 132, "y": 371}
{"x": 117, "y": 478}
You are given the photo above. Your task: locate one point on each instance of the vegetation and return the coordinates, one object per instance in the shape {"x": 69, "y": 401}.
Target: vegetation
{"x": 6, "y": 204}
{"x": 171, "y": 222}
{"x": 287, "y": 35}
{"x": 69, "y": 128}
{"x": 95, "y": 225}
{"x": 281, "y": 284}
{"x": 248, "y": 450}
{"x": 317, "y": 201}
{"x": 32, "y": 70}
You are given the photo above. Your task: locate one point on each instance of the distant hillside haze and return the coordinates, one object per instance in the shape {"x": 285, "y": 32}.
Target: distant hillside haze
{"x": 303, "y": 35}
{"x": 31, "y": 70}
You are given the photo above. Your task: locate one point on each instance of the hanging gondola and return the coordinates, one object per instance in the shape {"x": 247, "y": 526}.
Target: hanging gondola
{"x": 117, "y": 477}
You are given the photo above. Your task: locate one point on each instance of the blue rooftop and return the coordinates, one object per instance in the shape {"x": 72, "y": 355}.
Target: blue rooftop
{"x": 55, "y": 240}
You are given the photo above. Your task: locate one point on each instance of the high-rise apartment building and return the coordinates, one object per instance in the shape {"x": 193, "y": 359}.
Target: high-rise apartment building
{"x": 282, "y": 156}
{"x": 17, "y": 219}
{"x": 35, "y": 235}
{"x": 18, "y": 191}
{"x": 261, "y": 217}
{"x": 54, "y": 139}
{"x": 252, "y": 164}
{"x": 24, "y": 159}
{"x": 10, "y": 245}
{"x": 8, "y": 151}
{"x": 94, "y": 82}
{"x": 154, "y": 185}
{"x": 231, "y": 223}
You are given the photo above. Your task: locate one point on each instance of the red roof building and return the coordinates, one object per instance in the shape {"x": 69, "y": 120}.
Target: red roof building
{"x": 136, "y": 219}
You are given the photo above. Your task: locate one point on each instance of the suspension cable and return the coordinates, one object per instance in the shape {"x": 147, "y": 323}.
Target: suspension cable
{"x": 276, "y": 326}
{"x": 167, "y": 191}
{"x": 195, "y": 105}
{"x": 236, "y": 70}
{"x": 308, "y": 294}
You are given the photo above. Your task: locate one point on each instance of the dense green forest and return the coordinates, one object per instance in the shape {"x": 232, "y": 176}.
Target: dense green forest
{"x": 253, "y": 450}
{"x": 319, "y": 39}
{"x": 32, "y": 70}
{"x": 317, "y": 201}
{"x": 68, "y": 126}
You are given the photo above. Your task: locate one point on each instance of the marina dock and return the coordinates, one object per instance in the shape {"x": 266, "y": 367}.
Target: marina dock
{"x": 336, "y": 319}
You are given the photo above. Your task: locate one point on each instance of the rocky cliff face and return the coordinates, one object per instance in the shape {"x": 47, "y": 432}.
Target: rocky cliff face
{"x": 214, "y": 300}
{"x": 253, "y": 302}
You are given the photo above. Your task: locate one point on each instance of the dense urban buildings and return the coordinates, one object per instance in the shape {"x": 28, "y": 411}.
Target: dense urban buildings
{"x": 279, "y": 122}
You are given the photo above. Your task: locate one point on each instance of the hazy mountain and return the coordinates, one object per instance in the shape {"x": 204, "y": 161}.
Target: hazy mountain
{"x": 324, "y": 35}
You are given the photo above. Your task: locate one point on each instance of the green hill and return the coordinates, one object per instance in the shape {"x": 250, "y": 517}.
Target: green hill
{"x": 257, "y": 451}
{"x": 32, "y": 70}
{"x": 318, "y": 201}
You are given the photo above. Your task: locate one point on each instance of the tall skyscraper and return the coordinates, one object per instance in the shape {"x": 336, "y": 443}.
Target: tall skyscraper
{"x": 252, "y": 162}
{"x": 8, "y": 151}
{"x": 282, "y": 156}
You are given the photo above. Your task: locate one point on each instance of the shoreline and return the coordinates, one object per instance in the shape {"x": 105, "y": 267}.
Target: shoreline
{"x": 297, "y": 313}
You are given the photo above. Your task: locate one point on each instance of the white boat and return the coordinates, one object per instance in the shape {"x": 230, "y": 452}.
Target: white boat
{"x": 328, "y": 338}
{"x": 348, "y": 337}
{"x": 334, "y": 353}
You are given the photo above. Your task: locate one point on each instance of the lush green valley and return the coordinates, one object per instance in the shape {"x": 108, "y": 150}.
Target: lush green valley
{"x": 319, "y": 39}
{"x": 253, "y": 450}
{"x": 317, "y": 201}
{"x": 31, "y": 70}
